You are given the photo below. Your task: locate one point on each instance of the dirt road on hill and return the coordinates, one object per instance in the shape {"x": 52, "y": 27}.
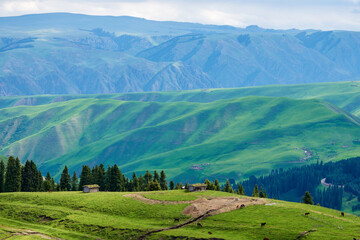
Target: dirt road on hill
{"x": 200, "y": 208}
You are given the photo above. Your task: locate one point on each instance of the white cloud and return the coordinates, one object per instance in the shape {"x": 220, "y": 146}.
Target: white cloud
{"x": 319, "y": 14}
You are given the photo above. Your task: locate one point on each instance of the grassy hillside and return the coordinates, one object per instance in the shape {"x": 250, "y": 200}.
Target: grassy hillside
{"x": 226, "y": 138}
{"x": 75, "y": 215}
{"x": 344, "y": 95}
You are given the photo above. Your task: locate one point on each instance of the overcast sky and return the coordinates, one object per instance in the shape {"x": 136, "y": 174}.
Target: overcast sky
{"x": 283, "y": 14}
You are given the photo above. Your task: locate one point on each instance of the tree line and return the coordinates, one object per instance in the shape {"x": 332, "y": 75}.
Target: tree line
{"x": 15, "y": 177}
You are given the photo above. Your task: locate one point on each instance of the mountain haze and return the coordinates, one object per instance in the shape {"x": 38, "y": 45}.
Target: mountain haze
{"x": 62, "y": 53}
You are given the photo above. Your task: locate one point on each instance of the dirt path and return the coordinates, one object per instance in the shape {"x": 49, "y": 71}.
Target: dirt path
{"x": 200, "y": 208}
{"x": 20, "y": 232}
{"x": 141, "y": 198}
{"x": 329, "y": 215}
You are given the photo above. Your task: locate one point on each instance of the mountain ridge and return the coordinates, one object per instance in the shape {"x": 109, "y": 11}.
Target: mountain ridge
{"x": 114, "y": 55}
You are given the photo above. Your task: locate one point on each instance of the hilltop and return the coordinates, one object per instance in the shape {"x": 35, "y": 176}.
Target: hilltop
{"x": 63, "y": 53}
{"x": 75, "y": 215}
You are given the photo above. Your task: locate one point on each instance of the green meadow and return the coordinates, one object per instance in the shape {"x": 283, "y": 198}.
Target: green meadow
{"x": 105, "y": 215}
{"x": 216, "y": 133}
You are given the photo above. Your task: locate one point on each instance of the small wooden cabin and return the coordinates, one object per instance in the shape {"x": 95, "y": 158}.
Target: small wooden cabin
{"x": 197, "y": 187}
{"x": 91, "y": 188}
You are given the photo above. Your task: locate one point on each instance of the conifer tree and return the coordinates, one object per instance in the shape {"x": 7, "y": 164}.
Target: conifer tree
{"x": 65, "y": 180}
{"x": 74, "y": 182}
{"x": 172, "y": 185}
{"x": 163, "y": 182}
{"x": 13, "y": 175}
{"x": 116, "y": 183}
{"x": 228, "y": 187}
{"x": 135, "y": 185}
{"x": 40, "y": 180}
{"x": 99, "y": 176}
{"x": 153, "y": 186}
{"x": 85, "y": 177}
{"x": 47, "y": 184}
{"x": 26, "y": 177}
{"x": 147, "y": 177}
{"x": 240, "y": 190}
{"x": 156, "y": 176}
{"x": 261, "y": 193}
{"x": 217, "y": 185}
{"x": 307, "y": 198}
{"x": 141, "y": 183}
{"x": 255, "y": 191}
{"x": 177, "y": 187}
{"x": 2, "y": 175}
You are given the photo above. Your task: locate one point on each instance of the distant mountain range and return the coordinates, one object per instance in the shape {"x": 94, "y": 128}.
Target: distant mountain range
{"x": 62, "y": 53}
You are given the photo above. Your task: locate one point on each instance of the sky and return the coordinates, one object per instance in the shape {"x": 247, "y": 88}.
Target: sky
{"x": 277, "y": 14}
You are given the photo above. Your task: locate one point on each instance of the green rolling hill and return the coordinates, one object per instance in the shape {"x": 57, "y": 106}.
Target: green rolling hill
{"x": 191, "y": 135}
{"x": 106, "y": 215}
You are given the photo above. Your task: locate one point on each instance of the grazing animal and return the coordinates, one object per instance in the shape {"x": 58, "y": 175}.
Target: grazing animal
{"x": 265, "y": 238}
{"x": 176, "y": 219}
{"x": 242, "y": 206}
{"x": 199, "y": 224}
{"x": 210, "y": 233}
{"x": 342, "y": 214}
{"x": 307, "y": 213}
{"x": 263, "y": 224}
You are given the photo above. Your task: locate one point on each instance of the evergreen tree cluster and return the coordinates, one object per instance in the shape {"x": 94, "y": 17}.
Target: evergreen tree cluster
{"x": 113, "y": 180}
{"x": 343, "y": 175}
{"x": 15, "y": 177}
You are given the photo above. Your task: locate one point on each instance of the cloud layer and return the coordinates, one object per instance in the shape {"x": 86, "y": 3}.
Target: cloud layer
{"x": 283, "y": 14}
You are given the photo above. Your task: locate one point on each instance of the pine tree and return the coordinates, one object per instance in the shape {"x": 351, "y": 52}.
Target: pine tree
{"x": 2, "y": 175}
{"x": 99, "y": 176}
{"x": 85, "y": 177}
{"x": 217, "y": 185}
{"x": 240, "y": 190}
{"x": 135, "y": 185}
{"x": 40, "y": 181}
{"x": 163, "y": 182}
{"x": 141, "y": 183}
{"x": 156, "y": 176}
{"x": 26, "y": 178}
{"x": 74, "y": 182}
{"x": 65, "y": 180}
{"x": 116, "y": 183}
{"x": 307, "y": 198}
{"x": 177, "y": 187}
{"x": 227, "y": 187}
{"x": 255, "y": 191}
{"x": 147, "y": 177}
{"x": 172, "y": 185}
{"x": 153, "y": 186}
{"x": 47, "y": 184}
{"x": 13, "y": 175}
{"x": 261, "y": 193}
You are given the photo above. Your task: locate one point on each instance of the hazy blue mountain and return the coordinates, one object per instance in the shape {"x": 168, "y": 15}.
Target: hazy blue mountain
{"x": 63, "y": 53}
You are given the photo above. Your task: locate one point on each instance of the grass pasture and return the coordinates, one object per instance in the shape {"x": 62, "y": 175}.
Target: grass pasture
{"x": 105, "y": 215}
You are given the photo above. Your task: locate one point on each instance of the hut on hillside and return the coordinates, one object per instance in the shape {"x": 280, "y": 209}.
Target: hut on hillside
{"x": 91, "y": 188}
{"x": 197, "y": 187}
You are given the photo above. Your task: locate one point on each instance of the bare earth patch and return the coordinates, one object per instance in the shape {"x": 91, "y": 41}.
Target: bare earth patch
{"x": 220, "y": 205}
